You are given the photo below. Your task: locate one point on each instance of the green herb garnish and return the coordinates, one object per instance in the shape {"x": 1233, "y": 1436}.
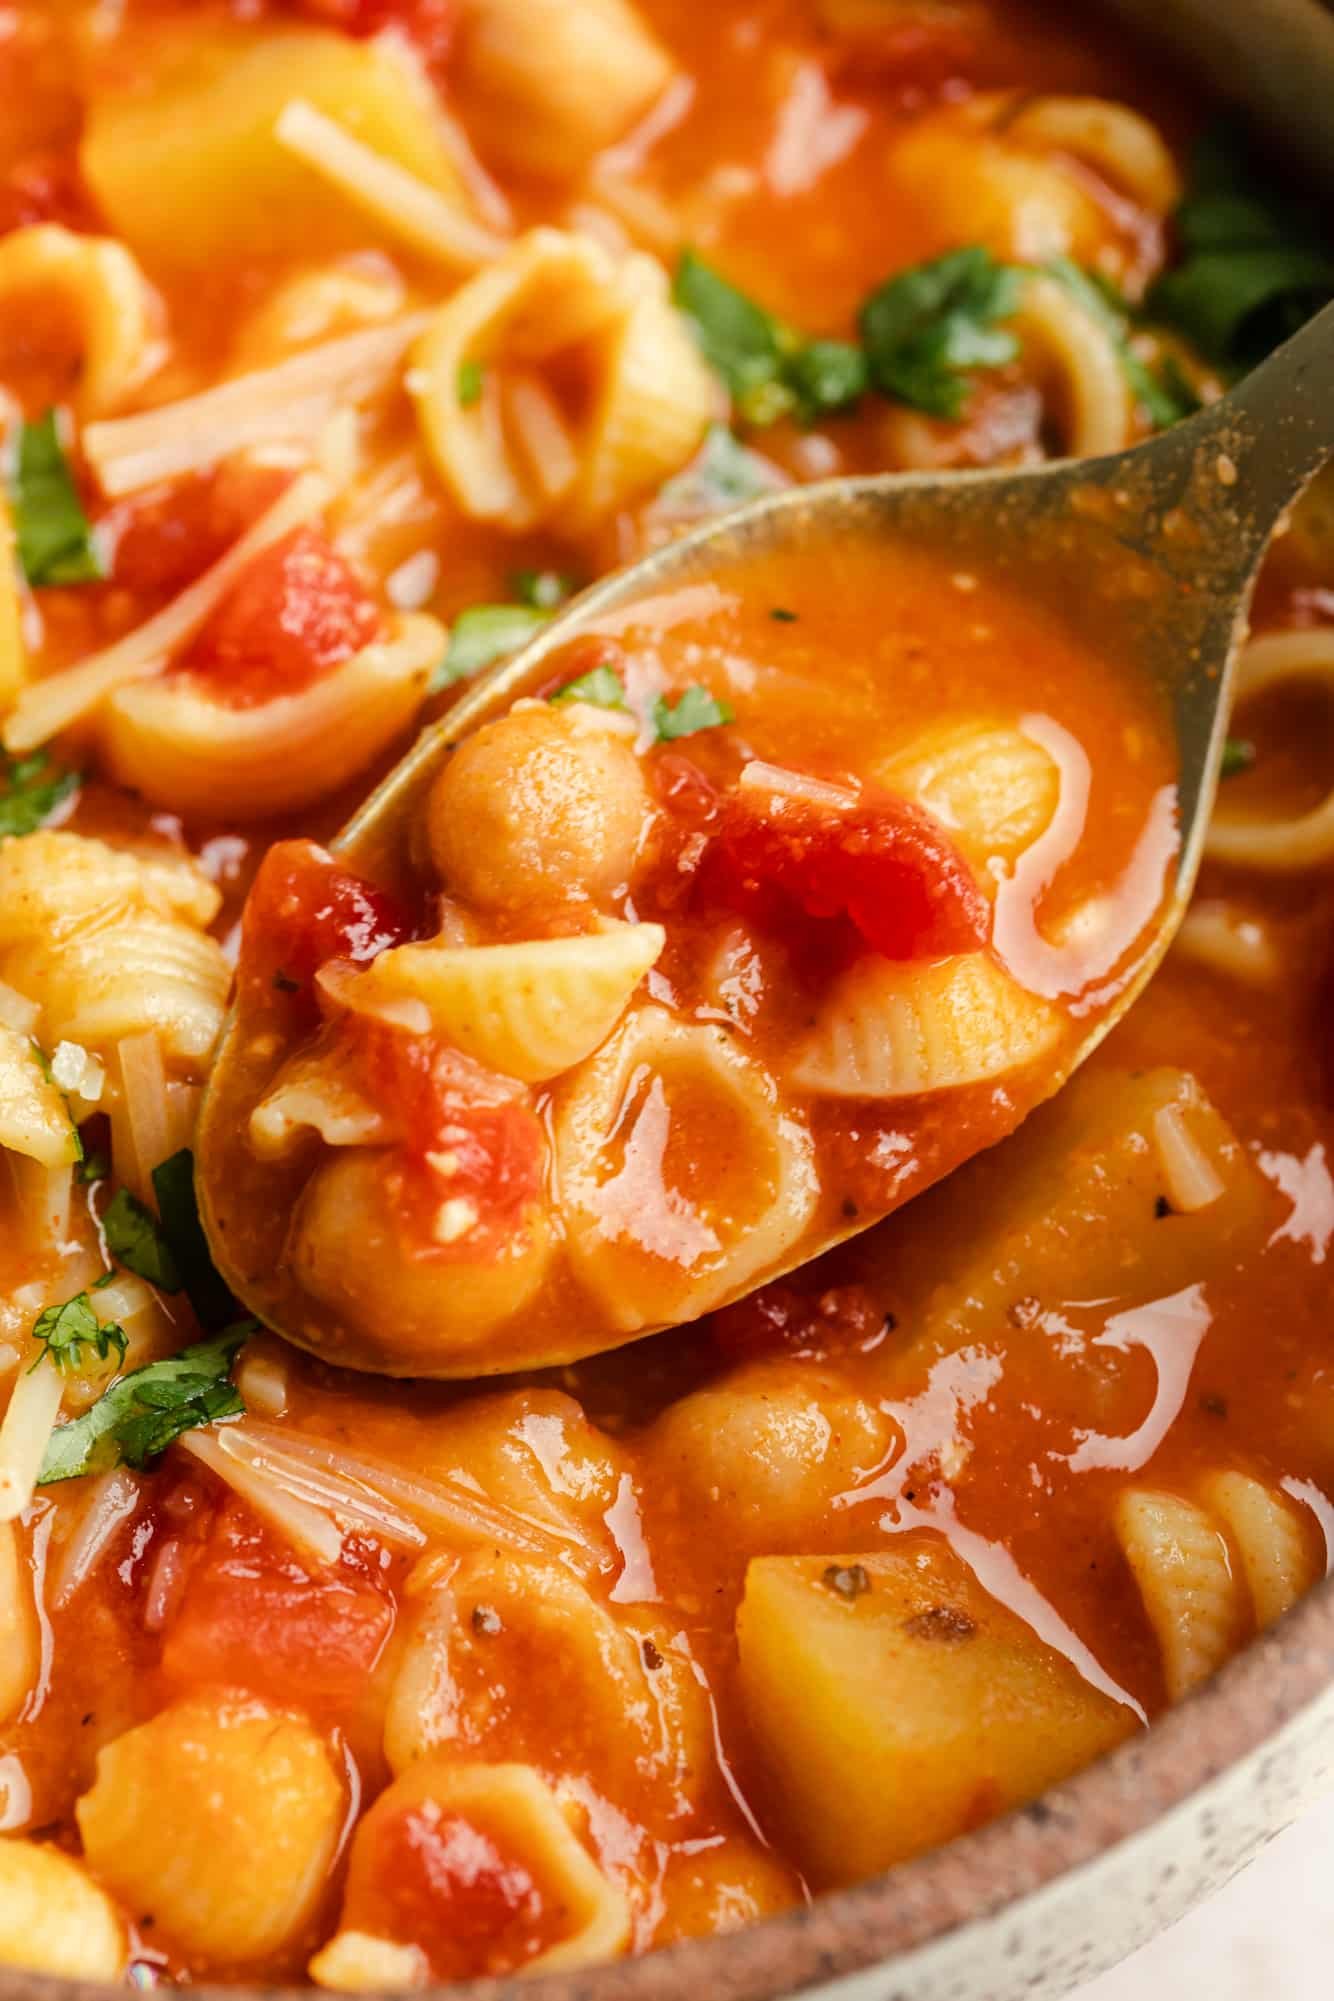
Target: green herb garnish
{"x": 1255, "y": 264}
{"x": 66, "y": 1331}
{"x": 31, "y": 790}
{"x": 51, "y": 530}
{"x": 198, "y": 1276}
{"x": 92, "y": 1168}
{"x": 601, "y": 686}
{"x": 143, "y": 1413}
{"x": 927, "y": 328}
{"x": 1238, "y": 756}
{"x": 781, "y": 615}
{"x": 694, "y": 710}
{"x": 484, "y": 634}
{"x": 771, "y": 370}
{"x": 469, "y": 383}
{"x": 135, "y": 1240}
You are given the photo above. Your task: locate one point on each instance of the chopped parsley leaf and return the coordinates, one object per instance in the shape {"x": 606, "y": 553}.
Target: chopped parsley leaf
{"x": 68, "y": 1330}
{"x": 781, "y": 615}
{"x": 1238, "y": 756}
{"x": 135, "y": 1240}
{"x": 771, "y": 370}
{"x": 52, "y": 533}
{"x": 143, "y": 1413}
{"x": 1256, "y": 265}
{"x": 199, "y": 1277}
{"x": 484, "y": 634}
{"x": 925, "y": 329}
{"x": 601, "y": 686}
{"x": 469, "y": 383}
{"x": 31, "y": 790}
{"x": 694, "y": 710}
{"x": 93, "y": 1168}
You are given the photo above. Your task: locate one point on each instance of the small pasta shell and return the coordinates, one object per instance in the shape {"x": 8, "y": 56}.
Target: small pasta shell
{"x": 992, "y": 786}
{"x": 891, "y": 1030}
{"x": 53, "y": 882}
{"x": 1278, "y": 843}
{"x": 654, "y": 403}
{"x": 34, "y": 1119}
{"x": 316, "y": 1091}
{"x": 549, "y": 83}
{"x": 110, "y": 307}
{"x": 655, "y": 1246}
{"x": 53, "y": 1917}
{"x": 1278, "y": 1559}
{"x": 1088, "y": 382}
{"x": 1121, "y": 144}
{"x": 168, "y": 741}
{"x": 144, "y": 972}
{"x": 221, "y": 1818}
{"x": 529, "y": 1010}
{"x": 518, "y": 1812}
{"x": 1180, "y": 1563}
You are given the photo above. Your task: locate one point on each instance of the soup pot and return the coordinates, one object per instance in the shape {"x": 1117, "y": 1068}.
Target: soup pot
{"x": 1043, "y": 1899}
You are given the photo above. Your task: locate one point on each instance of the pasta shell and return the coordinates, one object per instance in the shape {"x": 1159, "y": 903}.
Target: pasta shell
{"x": 145, "y": 972}
{"x": 654, "y": 403}
{"x": 1180, "y": 1563}
{"x": 1121, "y": 144}
{"x": 529, "y": 1010}
{"x": 34, "y": 1119}
{"x": 168, "y": 741}
{"x": 316, "y": 1091}
{"x": 654, "y": 1242}
{"x": 53, "y": 1917}
{"x": 221, "y": 1817}
{"x": 1278, "y": 1559}
{"x": 1087, "y": 385}
{"x": 518, "y": 1812}
{"x": 111, "y": 311}
{"x": 992, "y": 786}
{"x": 1279, "y": 843}
{"x": 890, "y": 1030}
{"x": 52, "y": 883}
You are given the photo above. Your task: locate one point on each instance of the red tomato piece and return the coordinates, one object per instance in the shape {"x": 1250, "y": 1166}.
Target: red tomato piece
{"x": 440, "y": 1882}
{"x": 45, "y": 187}
{"x": 296, "y": 612}
{"x": 303, "y": 911}
{"x": 466, "y": 1137}
{"x": 781, "y": 1319}
{"x": 166, "y": 536}
{"x": 885, "y": 866}
{"x": 253, "y": 1615}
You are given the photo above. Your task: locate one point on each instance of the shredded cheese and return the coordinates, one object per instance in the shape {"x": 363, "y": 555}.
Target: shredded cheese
{"x": 291, "y": 402}
{"x": 420, "y": 215}
{"x": 46, "y": 707}
{"x": 28, "y": 1423}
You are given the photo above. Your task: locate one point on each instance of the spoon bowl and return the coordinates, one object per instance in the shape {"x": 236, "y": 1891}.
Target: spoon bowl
{"x": 1153, "y": 552}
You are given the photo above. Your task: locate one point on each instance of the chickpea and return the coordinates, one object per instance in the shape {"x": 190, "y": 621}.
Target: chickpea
{"x": 542, "y": 804}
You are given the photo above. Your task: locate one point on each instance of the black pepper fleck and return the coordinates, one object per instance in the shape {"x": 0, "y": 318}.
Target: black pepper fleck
{"x": 1162, "y": 1207}
{"x": 652, "y": 1658}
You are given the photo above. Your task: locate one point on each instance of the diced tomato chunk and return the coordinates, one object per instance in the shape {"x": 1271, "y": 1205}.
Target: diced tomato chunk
{"x": 444, "y": 1884}
{"x": 782, "y": 1319}
{"x": 296, "y": 612}
{"x": 303, "y": 911}
{"x": 253, "y": 1615}
{"x": 466, "y": 1138}
{"x": 884, "y": 866}
{"x": 166, "y": 536}
{"x": 45, "y": 187}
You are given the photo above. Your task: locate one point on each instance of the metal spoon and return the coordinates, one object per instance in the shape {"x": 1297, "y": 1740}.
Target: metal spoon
{"x": 1158, "y": 547}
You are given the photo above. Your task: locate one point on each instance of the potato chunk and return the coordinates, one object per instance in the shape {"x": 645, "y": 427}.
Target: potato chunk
{"x": 895, "y": 1704}
{"x": 219, "y": 1818}
{"x": 186, "y": 165}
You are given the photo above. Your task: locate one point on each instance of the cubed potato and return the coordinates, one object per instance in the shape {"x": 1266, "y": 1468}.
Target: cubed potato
{"x": 186, "y": 165}
{"x": 894, "y": 1704}
{"x": 53, "y": 1917}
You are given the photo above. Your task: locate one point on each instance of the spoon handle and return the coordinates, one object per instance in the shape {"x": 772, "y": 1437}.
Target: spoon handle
{"x": 1273, "y": 432}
